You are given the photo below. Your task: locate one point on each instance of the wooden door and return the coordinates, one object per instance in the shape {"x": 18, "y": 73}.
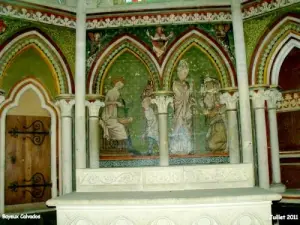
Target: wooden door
{"x": 289, "y": 144}
{"x": 27, "y": 160}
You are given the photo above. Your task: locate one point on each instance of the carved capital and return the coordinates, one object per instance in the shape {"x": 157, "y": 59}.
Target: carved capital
{"x": 273, "y": 96}
{"x": 258, "y": 98}
{"x": 94, "y": 107}
{"x": 65, "y": 107}
{"x": 229, "y": 100}
{"x": 162, "y": 103}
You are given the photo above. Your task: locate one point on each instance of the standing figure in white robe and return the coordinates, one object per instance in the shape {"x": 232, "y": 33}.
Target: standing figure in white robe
{"x": 152, "y": 125}
{"x": 113, "y": 129}
{"x": 181, "y": 142}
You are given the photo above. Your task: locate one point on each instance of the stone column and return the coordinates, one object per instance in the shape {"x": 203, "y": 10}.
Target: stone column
{"x": 2, "y": 165}
{"x": 230, "y": 100}
{"x": 242, "y": 77}
{"x": 65, "y": 104}
{"x": 162, "y": 100}
{"x": 258, "y": 100}
{"x": 80, "y": 83}
{"x": 94, "y": 105}
{"x": 273, "y": 96}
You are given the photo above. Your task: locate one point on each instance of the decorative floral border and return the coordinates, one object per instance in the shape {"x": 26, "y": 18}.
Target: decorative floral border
{"x": 265, "y": 6}
{"x": 38, "y": 16}
{"x": 195, "y": 16}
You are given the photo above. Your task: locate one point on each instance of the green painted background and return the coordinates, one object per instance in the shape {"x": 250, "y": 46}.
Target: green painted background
{"x": 136, "y": 76}
{"x": 28, "y": 63}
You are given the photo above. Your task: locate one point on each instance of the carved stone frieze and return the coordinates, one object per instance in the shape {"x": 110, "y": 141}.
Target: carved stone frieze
{"x": 104, "y": 178}
{"x": 289, "y": 102}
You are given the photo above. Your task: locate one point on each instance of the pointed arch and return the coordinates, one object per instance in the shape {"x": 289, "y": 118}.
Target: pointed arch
{"x": 12, "y": 101}
{"x": 212, "y": 49}
{"x": 42, "y": 42}
{"x": 272, "y": 49}
{"x": 122, "y": 44}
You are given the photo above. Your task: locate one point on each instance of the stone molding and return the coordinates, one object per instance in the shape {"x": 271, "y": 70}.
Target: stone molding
{"x": 162, "y": 178}
{"x": 2, "y": 96}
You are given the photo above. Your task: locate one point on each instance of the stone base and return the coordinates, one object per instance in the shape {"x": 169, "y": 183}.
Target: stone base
{"x": 240, "y": 206}
{"x": 278, "y": 188}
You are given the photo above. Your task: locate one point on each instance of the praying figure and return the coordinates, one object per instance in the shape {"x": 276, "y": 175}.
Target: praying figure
{"x": 159, "y": 41}
{"x": 181, "y": 142}
{"x": 113, "y": 129}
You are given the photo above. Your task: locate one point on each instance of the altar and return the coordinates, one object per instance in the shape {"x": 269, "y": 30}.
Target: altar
{"x": 175, "y": 195}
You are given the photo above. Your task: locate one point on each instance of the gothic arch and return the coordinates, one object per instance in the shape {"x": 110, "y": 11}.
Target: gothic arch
{"x": 43, "y": 43}
{"x": 124, "y": 43}
{"x": 272, "y": 49}
{"x": 213, "y": 50}
{"x": 12, "y": 101}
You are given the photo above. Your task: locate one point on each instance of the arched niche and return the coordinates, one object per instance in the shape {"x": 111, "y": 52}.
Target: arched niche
{"x": 128, "y": 65}
{"x": 203, "y": 79}
{"x": 30, "y": 62}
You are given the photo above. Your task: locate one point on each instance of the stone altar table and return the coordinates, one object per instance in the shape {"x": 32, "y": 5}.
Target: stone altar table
{"x": 176, "y": 195}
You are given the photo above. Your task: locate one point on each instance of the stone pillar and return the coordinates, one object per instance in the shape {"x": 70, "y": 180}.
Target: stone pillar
{"x": 80, "y": 83}
{"x": 230, "y": 100}
{"x": 94, "y": 105}
{"x": 2, "y": 165}
{"x": 162, "y": 100}
{"x": 65, "y": 104}
{"x": 242, "y": 77}
{"x": 273, "y": 96}
{"x": 258, "y": 100}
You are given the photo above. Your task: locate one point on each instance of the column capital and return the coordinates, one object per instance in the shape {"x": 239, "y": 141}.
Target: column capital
{"x": 162, "y": 100}
{"x": 2, "y": 96}
{"x": 94, "y": 107}
{"x": 229, "y": 99}
{"x": 94, "y": 97}
{"x": 273, "y": 96}
{"x": 65, "y": 106}
{"x": 258, "y": 97}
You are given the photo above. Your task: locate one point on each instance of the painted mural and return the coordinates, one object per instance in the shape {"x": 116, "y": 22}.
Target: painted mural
{"x": 129, "y": 122}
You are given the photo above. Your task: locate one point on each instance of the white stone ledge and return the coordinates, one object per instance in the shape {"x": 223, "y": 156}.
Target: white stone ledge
{"x": 163, "y": 198}
{"x": 165, "y": 178}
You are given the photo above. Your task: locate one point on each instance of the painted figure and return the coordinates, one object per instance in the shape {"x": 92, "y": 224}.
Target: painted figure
{"x": 95, "y": 40}
{"x": 113, "y": 128}
{"x": 148, "y": 90}
{"x": 152, "y": 126}
{"x": 183, "y": 102}
{"x": 216, "y": 137}
{"x": 159, "y": 41}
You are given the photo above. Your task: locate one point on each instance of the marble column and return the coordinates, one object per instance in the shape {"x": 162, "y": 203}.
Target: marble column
{"x": 65, "y": 104}
{"x": 80, "y": 83}
{"x": 273, "y": 96}
{"x": 243, "y": 86}
{"x": 258, "y": 100}
{"x": 94, "y": 106}
{"x": 230, "y": 100}
{"x": 162, "y": 100}
{"x": 2, "y": 166}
